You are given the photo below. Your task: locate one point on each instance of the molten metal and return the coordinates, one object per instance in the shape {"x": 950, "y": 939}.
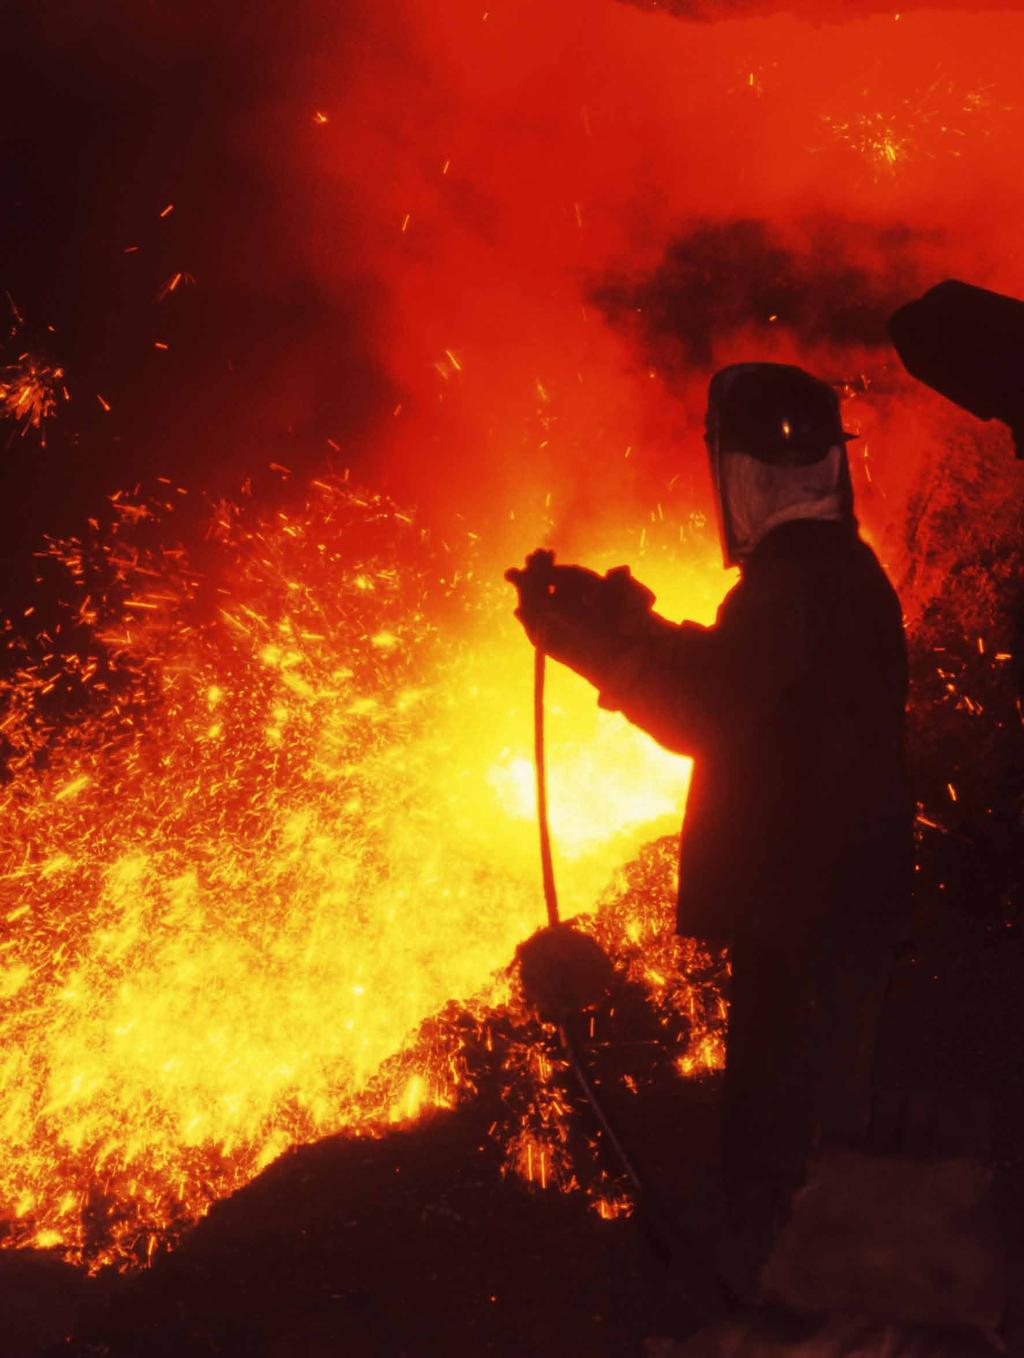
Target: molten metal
{"x": 270, "y": 806}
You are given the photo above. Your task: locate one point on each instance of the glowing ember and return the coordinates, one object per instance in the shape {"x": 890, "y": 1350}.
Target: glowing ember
{"x": 30, "y": 391}
{"x": 929, "y": 124}
{"x": 266, "y": 812}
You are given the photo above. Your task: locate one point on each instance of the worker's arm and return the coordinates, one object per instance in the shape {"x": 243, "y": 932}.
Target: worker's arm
{"x": 662, "y": 680}
{"x": 688, "y": 685}
{"x": 682, "y": 683}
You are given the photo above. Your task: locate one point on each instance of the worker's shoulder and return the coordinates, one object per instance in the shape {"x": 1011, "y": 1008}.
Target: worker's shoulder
{"x": 805, "y": 540}
{"x": 814, "y": 566}
{"x": 802, "y": 551}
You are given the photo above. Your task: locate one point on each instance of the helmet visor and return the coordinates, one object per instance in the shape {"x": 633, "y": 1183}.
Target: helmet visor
{"x": 777, "y": 451}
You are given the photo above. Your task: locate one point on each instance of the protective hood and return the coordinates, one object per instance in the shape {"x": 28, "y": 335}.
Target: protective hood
{"x": 756, "y": 497}
{"x": 778, "y": 453}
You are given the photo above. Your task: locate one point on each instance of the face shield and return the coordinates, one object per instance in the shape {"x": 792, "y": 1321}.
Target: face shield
{"x": 777, "y": 452}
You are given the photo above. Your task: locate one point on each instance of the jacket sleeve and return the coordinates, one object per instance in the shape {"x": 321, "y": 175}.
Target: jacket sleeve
{"x": 661, "y": 682}
{"x": 688, "y": 685}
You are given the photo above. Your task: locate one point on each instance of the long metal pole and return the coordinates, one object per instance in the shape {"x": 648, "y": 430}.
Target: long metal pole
{"x": 663, "y": 1236}
{"x": 547, "y": 867}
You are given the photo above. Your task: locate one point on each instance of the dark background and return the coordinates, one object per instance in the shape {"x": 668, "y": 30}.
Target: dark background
{"x": 110, "y": 113}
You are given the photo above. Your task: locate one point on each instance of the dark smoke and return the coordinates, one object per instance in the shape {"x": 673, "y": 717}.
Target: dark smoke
{"x": 724, "y": 278}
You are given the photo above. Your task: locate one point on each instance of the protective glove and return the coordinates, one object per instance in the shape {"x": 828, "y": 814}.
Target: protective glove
{"x": 575, "y": 615}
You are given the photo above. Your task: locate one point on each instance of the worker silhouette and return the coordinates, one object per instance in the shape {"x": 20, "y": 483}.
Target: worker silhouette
{"x": 796, "y": 848}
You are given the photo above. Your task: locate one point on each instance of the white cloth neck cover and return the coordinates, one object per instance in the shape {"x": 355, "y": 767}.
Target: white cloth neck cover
{"x": 757, "y": 496}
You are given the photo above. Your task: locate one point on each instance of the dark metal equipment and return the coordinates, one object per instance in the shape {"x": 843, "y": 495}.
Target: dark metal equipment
{"x": 967, "y": 344}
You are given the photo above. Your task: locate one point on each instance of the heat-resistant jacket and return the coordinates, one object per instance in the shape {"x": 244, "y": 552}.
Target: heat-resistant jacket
{"x": 792, "y": 708}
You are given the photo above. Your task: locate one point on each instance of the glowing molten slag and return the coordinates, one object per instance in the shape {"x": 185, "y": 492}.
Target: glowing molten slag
{"x": 262, "y": 820}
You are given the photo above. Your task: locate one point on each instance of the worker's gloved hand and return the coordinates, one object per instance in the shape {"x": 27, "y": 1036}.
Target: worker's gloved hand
{"x": 575, "y": 615}
{"x": 563, "y": 971}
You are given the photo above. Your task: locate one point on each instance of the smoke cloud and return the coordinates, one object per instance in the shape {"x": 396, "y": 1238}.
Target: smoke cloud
{"x": 831, "y": 287}
{"x": 413, "y": 238}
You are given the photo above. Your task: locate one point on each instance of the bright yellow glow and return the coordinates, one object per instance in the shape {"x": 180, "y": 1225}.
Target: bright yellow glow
{"x": 220, "y": 932}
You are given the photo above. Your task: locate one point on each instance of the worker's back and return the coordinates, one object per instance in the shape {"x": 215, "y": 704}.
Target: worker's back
{"x": 800, "y": 809}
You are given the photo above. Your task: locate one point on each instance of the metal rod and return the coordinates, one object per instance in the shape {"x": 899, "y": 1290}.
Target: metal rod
{"x": 547, "y": 866}
{"x": 551, "y": 900}
{"x": 663, "y": 1235}
{"x": 590, "y": 1093}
